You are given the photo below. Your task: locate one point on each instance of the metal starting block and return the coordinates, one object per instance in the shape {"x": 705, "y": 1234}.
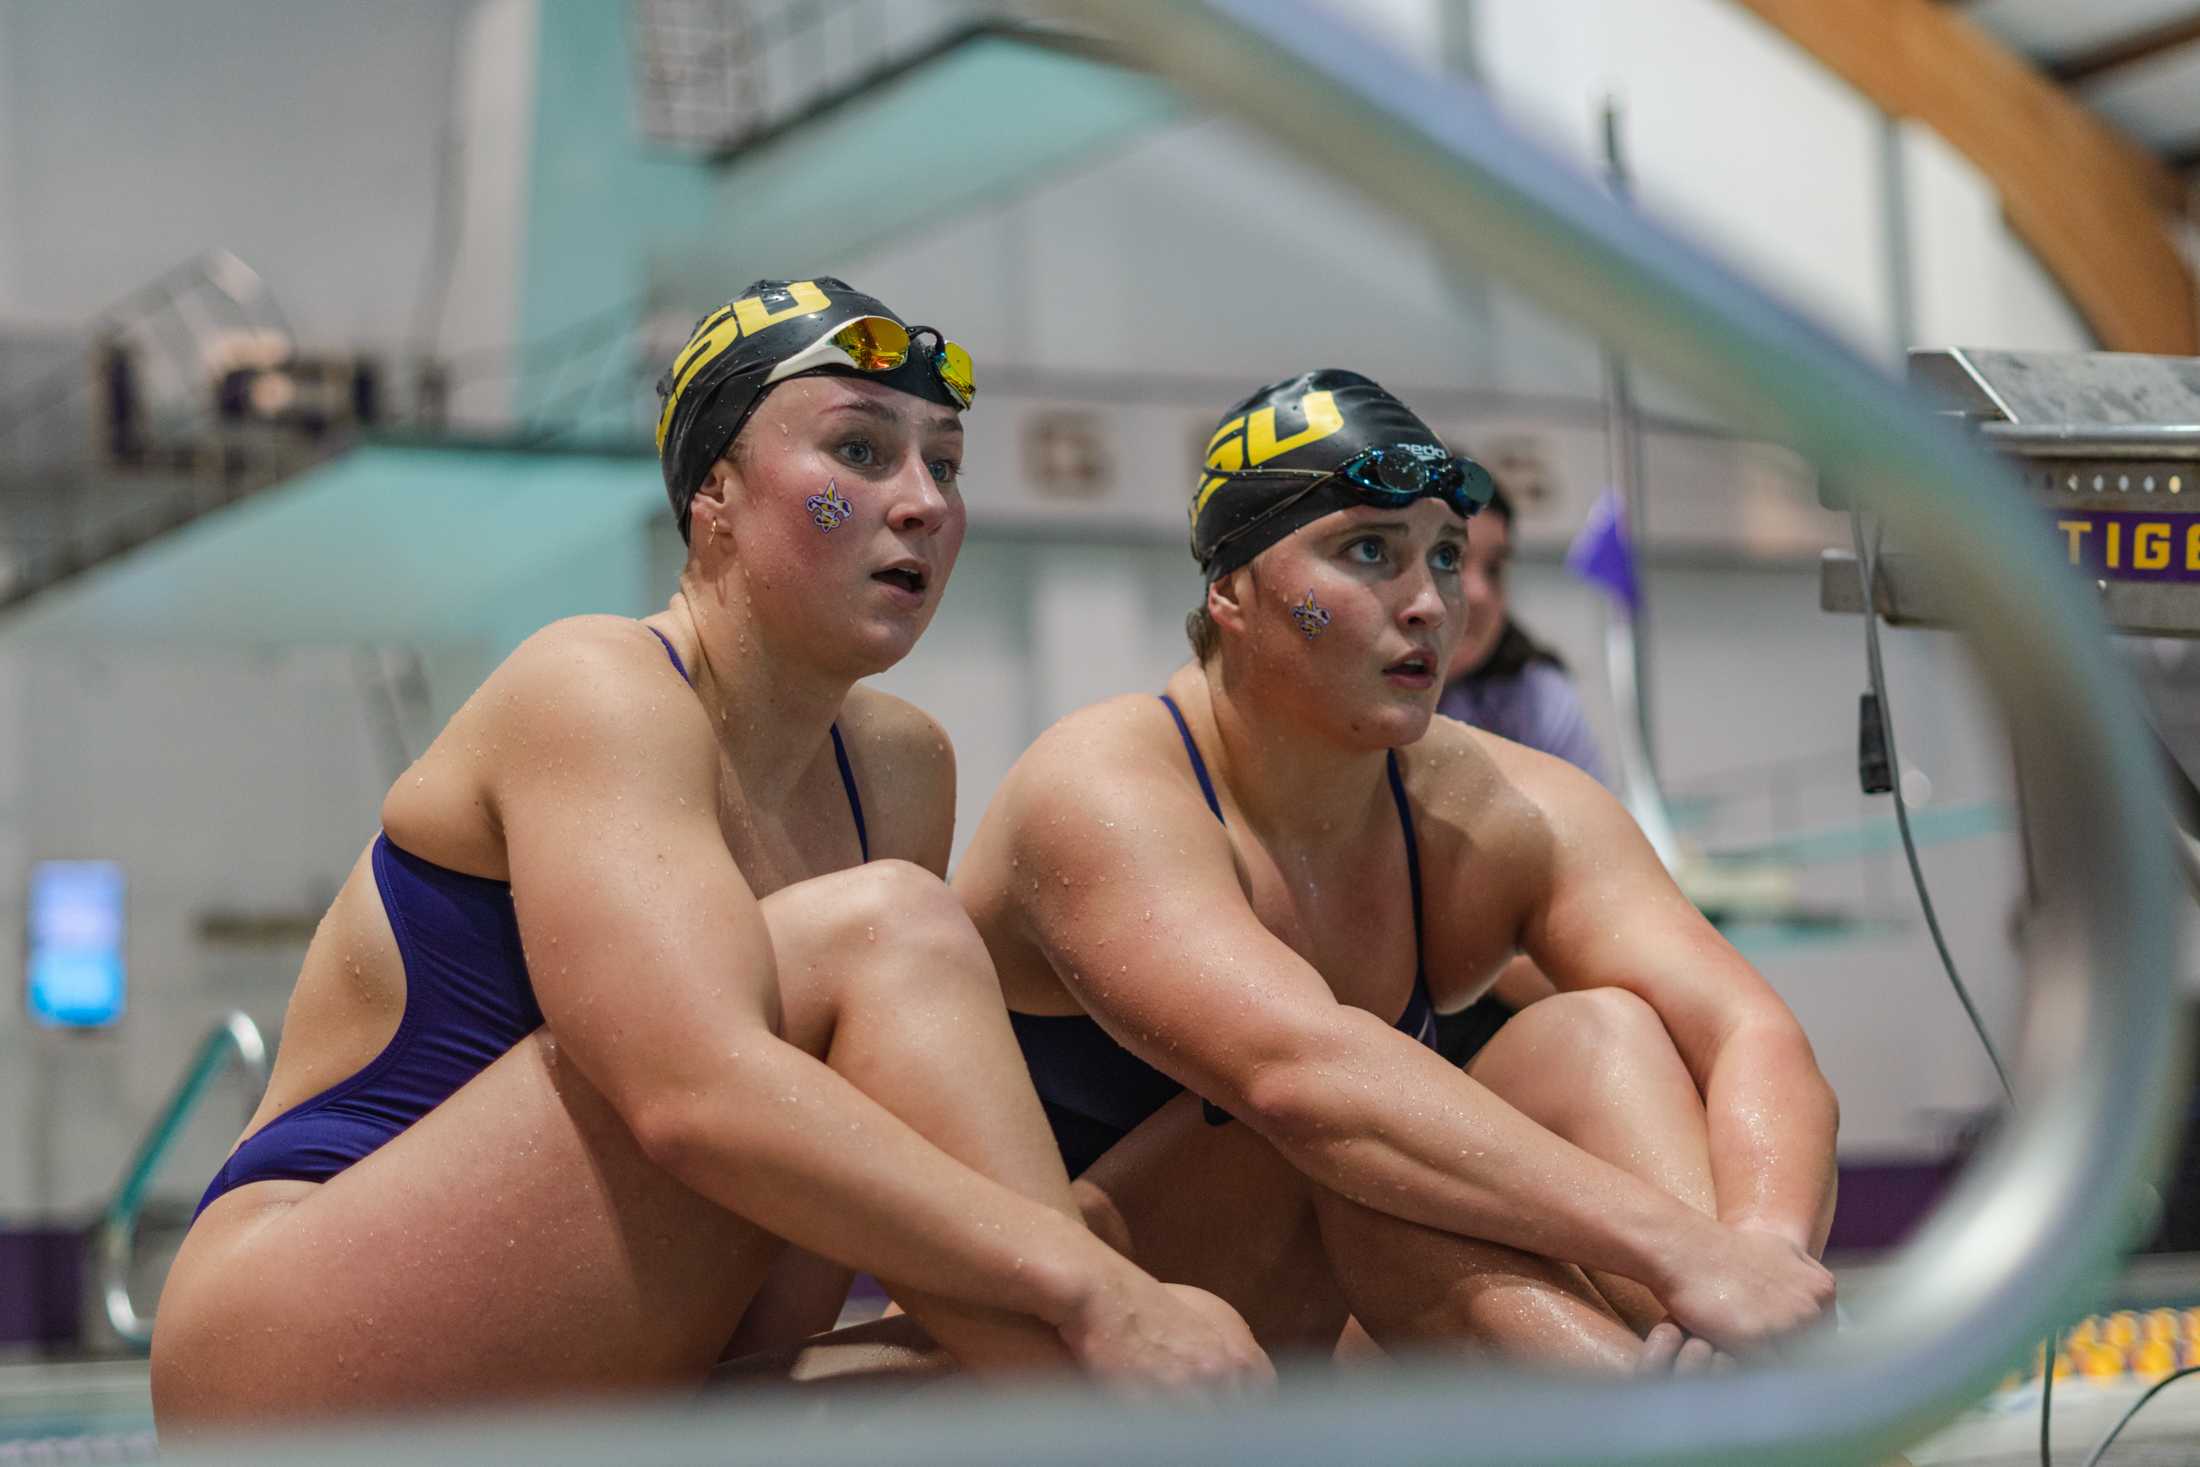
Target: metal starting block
{"x": 2107, "y": 443}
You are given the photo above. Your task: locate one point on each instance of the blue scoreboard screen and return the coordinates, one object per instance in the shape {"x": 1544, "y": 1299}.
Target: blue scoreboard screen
{"x": 74, "y": 971}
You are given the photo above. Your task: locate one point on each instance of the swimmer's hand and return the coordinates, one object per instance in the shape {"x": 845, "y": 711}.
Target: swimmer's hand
{"x": 1670, "y": 1350}
{"x": 1142, "y": 1335}
{"x": 1744, "y": 1287}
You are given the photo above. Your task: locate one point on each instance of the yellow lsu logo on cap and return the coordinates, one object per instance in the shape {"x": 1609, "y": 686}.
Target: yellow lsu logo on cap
{"x": 722, "y": 328}
{"x": 1250, "y": 441}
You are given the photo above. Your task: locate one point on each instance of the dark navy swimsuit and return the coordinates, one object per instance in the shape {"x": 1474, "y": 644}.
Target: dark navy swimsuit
{"x": 467, "y": 1000}
{"x": 1095, "y": 1092}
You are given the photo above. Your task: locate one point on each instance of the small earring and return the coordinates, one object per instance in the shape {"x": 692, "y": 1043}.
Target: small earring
{"x": 1310, "y": 617}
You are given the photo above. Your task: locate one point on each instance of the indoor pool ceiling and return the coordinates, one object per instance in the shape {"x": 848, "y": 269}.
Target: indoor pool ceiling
{"x": 2135, "y": 62}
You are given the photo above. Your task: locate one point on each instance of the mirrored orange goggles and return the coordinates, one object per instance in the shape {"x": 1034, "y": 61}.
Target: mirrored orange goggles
{"x": 880, "y": 344}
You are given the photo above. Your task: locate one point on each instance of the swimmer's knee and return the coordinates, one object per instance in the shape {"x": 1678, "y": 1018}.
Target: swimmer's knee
{"x": 912, "y": 913}
{"x": 894, "y": 921}
{"x": 879, "y": 898}
{"x": 1608, "y": 1021}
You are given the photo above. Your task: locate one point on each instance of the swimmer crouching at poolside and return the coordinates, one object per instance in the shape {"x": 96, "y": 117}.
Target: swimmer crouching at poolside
{"x": 1246, "y": 899}
{"x": 647, "y": 1017}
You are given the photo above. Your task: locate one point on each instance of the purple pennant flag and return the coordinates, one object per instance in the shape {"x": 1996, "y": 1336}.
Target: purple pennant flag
{"x": 1602, "y": 553}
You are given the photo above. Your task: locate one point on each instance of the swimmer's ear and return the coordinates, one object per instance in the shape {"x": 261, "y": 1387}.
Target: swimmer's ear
{"x": 1229, "y": 600}
{"x": 706, "y": 513}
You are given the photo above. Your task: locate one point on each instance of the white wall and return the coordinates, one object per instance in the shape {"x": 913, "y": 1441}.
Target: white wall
{"x": 1201, "y": 249}
{"x": 8, "y": 286}
{"x": 494, "y": 134}
{"x": 1975, "y": 283}
{"x": 1730, "y": 133}
{"x": 302, "y": 136}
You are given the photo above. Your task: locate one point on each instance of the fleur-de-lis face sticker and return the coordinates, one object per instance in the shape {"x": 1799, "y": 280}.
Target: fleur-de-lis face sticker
{"x": 828, "y": 511}
{"x": 1310, "y": 617}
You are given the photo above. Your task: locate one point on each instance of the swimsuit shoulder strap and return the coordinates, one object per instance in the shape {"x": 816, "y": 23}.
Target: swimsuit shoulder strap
{"x": 855, "y": 801}
{"x": 840, "y": 753}
{"x": 678, "y": 665}
{"x": 1413, "y": 859}
{"x": 1199, "y": 765}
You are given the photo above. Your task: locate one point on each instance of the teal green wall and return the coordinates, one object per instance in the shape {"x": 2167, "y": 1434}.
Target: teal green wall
{"x": 612, "y": 217}
{"x": 600, "y": 197}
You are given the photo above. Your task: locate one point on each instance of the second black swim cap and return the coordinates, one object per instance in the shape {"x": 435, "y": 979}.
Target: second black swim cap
{"x": 1315, "y": 421}
{"x": 719, "y": 376}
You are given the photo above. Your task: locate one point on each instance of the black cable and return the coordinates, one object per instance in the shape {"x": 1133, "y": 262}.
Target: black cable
{"x": 2047, "y": 1394}
{"x": 1868, "y": 569}
{"x": 2151, "y": 1392}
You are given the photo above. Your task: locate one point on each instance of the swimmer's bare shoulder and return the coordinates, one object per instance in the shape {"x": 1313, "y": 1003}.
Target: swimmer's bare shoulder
{"x": 1550, "y": 859}
{"x": 1510, "y": 797}
{"x": 1107, "y": 787}
{"x": 1126, "y": 737}
{"x": 904, "y": 766}
{"x": 1101, "y": 860}
{"x": 1496, "y": 821}
{"x": 589, "y": 697}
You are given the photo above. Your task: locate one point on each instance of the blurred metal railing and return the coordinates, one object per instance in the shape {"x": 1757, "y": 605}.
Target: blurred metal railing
{"x": 211, "y": 306}
{"x": 123, "y": 439}
{"x": 718, "y": 75}
{"x": 234, "y": 1040}
{"x": 2033, "y": 1227}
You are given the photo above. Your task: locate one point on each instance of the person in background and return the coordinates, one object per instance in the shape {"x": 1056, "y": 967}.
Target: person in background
{"x": 1506, "y": 682}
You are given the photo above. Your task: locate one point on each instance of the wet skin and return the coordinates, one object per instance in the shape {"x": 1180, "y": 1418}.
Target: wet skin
{"x": 1661, "y": 1121}
{"x": 749, "y": 1037}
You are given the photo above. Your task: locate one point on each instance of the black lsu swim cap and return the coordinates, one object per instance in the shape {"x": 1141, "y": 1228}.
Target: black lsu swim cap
{"x": 718, "y": 378}
{"x": 1272, "y": 444}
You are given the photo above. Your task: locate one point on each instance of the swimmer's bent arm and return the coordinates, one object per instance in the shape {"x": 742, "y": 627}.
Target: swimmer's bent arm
{"x": 1610, "y": 916}
{"x": 654, "y": 971}
{"x": 1168, "y": 956}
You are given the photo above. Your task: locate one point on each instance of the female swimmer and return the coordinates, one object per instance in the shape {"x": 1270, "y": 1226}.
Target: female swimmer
{"x": 1246, "y": 898}
{"x": 647, "y": 1015}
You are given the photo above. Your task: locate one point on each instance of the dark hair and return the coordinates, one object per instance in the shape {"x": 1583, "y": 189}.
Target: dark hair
{"x": 1513, "y": 655}
{"x": 1515, "y": 651}
{"x": 1200, "y": 630}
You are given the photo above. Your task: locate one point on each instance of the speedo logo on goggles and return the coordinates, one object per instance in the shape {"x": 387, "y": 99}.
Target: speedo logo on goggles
{"x": 867, "y": 343}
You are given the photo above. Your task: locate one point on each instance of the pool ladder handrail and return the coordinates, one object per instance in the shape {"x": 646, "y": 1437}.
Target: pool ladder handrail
{"x": 234, "y": 1039}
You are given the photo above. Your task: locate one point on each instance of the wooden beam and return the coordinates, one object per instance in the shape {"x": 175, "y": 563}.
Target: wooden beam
{"x": 2126, "y": 51}
{"x": 2088, "y": 201}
